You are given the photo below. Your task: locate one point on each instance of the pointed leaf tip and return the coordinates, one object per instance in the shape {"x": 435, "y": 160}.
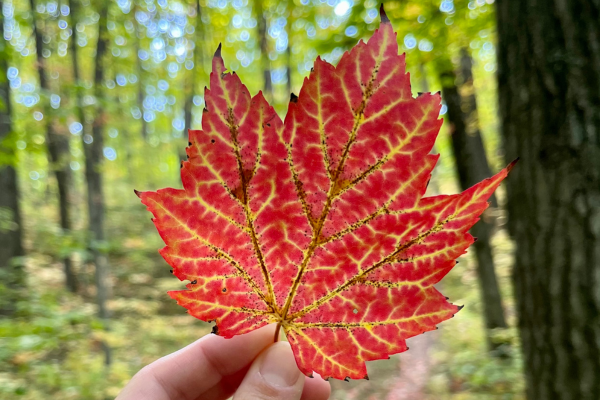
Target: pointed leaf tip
{"x": 137, "y": 192}
{"x": 293, "y": 98}
{"x": 384, "y": 17}
{"x": 218, "y": 52}
{"x": 512, "y": 164}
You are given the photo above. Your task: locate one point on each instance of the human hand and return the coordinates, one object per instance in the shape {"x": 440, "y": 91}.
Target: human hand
{"x": 214, "y": 368}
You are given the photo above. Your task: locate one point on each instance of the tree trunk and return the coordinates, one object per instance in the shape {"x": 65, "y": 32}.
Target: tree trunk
{"x": 549, "y": 92}
{"x": 471, "y": 168}
{"x": 433, "y": 186}
{"x": 288, "y": 68}
{"x": 191, "y": 85}
{"x": 93, "y": 150}
{"x": 11, "y": 231}
{"x": 140, "y": 70}
{"x": 480, "y": 169}
{"x": 288, "y": 50}
{"x": 58, "y": 148}
{"x": 93, "y": 173}
{"x": 264, "y": 51}
{"x": 125, "y": 115}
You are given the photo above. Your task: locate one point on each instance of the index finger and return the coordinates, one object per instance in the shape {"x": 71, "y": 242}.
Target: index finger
{"x": 212, "y": 367}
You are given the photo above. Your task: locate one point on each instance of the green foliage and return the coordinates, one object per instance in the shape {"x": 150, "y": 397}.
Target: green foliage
{"x": 51, "y": 348}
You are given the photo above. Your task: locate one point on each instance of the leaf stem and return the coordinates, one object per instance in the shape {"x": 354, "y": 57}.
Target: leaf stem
{"x": 276, "y": 337}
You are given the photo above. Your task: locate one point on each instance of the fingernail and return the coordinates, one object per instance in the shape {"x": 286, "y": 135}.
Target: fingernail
{"x": 279, "y": 366}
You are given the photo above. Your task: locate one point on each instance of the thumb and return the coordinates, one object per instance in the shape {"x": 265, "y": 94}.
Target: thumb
{"x": 273, "y": 376}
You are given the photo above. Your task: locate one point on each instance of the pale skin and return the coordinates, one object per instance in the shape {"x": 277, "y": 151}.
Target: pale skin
{"x": 246, "y": 367}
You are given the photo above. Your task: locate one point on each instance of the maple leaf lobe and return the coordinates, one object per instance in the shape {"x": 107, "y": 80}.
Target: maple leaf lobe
{"x": 318, "y": 222}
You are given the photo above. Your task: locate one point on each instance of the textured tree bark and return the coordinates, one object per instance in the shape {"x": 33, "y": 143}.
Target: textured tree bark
{"x": 93, "y": 145}
{"x": 58, "y": 148}
{"x": 264, "y": 51}
{"x": 549, "y": 90}
{"x": 11, "y": 232}
{"x": 472, "y": 167}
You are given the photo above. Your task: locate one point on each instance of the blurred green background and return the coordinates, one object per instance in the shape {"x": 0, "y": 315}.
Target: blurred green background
{"x": 119, "y": 107}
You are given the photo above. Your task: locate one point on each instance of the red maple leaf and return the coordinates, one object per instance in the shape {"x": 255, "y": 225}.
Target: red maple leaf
{"x": 319, "y": 223}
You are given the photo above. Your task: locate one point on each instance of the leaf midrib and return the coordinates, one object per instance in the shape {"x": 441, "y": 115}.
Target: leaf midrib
{"x": 359, "y": 114}
{"x": 233, "y": 129}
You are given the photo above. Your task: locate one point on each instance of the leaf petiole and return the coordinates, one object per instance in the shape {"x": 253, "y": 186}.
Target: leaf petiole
{"x": 276, "y": 337}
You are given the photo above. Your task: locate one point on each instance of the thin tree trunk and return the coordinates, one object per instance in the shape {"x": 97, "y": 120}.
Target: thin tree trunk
{"x": 288, "y": 50}
{"x": 264, "y": 50}
{"x": 288, "y": 67}
{"x": 469, "y": 167}
{"x": 140, "y": 70}
{"x": 472, "y": 167}
{"x": 77, "y": 83}
{"x": 191, "y": 85}
{"x": 127, "y": 139}
{"x": 11, "y": 231}
{"x": 58, "y": 148}
{"x": 549, "y": 92}
{"x": 93, "y": 163}
{"x": 481, "y": 168}
{"x": 433, "y": 182}
{"x": 94, "y": 174}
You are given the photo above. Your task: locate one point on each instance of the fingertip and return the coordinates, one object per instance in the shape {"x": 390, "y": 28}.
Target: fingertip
{"x": 274, "y": 375}
{"x": 278, "y": 366}
{"x": 228, "y": 353}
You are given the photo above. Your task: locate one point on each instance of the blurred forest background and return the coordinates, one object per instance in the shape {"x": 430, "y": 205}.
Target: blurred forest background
{"x": 97, "y": 97}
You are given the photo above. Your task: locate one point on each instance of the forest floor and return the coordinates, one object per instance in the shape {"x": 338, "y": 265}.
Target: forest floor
{"x": 52, "y": 350}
